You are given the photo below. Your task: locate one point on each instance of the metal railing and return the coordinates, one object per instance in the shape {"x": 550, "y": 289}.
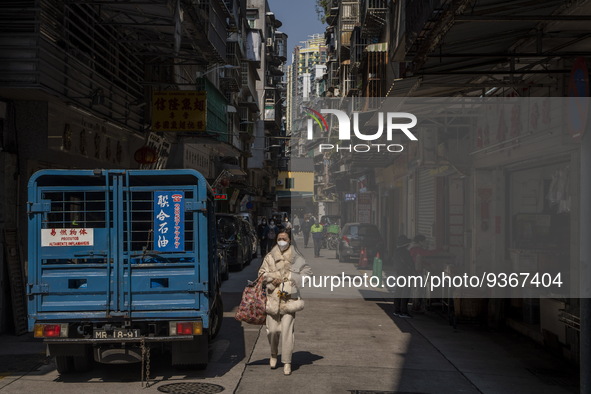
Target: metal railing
{"x": 72, "y": 56}
{"x": 374, "y": 17}
{"x": 418, "y": 13}
{"x": 231, "y": 78}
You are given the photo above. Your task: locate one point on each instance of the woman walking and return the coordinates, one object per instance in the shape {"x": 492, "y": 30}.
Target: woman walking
{"x": 262, "y": 236}
{"x": 283, "y": 269}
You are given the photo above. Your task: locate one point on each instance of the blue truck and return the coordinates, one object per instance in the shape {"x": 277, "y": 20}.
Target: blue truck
{"x": 121, "y": 262}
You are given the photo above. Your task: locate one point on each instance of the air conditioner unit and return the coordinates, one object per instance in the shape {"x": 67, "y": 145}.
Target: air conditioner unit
{"x": 269, "y": 42}
{"x": 279, "y": 182}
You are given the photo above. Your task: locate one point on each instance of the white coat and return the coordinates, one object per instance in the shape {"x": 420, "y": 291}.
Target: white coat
{"x": 290, "y": 267}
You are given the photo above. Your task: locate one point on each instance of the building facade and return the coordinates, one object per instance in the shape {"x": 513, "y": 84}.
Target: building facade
{"x": 132, "y": 84}
{"x": 465, "y": 184}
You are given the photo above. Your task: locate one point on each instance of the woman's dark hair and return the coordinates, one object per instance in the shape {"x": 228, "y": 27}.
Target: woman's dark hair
{"x": 283, "y": 231}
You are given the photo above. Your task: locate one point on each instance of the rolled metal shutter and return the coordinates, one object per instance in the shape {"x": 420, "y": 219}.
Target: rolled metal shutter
{"x": 426, "y": 204}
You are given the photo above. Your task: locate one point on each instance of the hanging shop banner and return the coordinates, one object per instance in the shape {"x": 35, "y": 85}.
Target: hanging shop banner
{"x": 181, "y": 110}
{"x": 169, "y": 227}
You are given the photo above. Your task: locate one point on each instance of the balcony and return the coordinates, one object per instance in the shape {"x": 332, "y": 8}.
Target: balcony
{"x": 374, "y": 66}
{"x": 348, "y": 19}
{"x": 269, "y": 114}
{"x": 349, "y": 12}
{"x": 418, "y": 15}
{"x": 358, "y": 44}
{"x": 231, "y": 80}
{"x": 332, "y": 12}
{"x": 374, "y": 17}
{"x": 246, "y": 127}
{"x": 217, "y": 115}
{"x": 281, "y": 45}
{"x": 41, "y": 53}
{"x": 214, "y": 13}
{"x": 253, "y": 47}
{"x": 275, "y": 71}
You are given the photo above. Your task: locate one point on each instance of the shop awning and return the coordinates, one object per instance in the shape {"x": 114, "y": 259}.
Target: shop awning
{"x": 379, "y": 47}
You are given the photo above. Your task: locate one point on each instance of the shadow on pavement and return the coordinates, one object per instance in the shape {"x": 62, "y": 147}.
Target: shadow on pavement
{"x": 19, "y": 364}
{"x": 298, "y": 359}
{"x": 486, "y": 357}
{"x": 225, "y": 352}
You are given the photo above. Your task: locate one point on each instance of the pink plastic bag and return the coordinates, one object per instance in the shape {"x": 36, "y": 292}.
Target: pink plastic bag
{"x": 253, "y": 303}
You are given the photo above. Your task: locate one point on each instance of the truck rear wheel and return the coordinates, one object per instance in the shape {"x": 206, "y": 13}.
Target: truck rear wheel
{"x": 216, "y": 317}
{"x": 64, "y": 364}
{"x": 83, "y": 363}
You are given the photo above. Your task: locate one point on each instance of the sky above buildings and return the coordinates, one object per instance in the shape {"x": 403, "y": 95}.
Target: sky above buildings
{"x": 299, "y": 20}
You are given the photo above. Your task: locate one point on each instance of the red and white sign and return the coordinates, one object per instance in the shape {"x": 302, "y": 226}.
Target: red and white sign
{"x": 67, "y": 237}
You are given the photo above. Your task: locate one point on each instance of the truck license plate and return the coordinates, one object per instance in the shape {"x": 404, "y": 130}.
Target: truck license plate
{"x": 117, "y": 334}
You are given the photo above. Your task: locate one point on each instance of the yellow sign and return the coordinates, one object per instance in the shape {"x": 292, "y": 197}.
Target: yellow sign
{"x": 179, "y": 110}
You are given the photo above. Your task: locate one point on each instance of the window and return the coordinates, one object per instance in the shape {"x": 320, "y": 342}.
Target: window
{"x": 244, "y": 73}
{"x": 369, "y": 232}
{"x": 289, "y": 183}
{"x": 252, "y": 17}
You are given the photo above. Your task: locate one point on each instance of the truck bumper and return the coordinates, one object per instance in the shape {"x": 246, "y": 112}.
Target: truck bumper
{"x": 186, "y": 349}
{"x": 92, "y": 341}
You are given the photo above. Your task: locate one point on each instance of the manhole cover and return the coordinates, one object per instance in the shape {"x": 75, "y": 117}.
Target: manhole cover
{"x": 191, "y": 388}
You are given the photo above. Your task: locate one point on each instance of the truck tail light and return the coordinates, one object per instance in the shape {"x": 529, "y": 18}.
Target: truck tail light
{"x": 186, "y": 328}
{"x": 50, "y": 330}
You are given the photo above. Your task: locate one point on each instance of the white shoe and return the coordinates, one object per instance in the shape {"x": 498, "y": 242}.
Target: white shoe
{"x": 287, "y": 369}
{"x": 273, "y": 362}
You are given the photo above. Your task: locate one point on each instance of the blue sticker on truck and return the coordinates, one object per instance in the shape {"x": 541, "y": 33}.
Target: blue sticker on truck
{"x": 169, "y": 226}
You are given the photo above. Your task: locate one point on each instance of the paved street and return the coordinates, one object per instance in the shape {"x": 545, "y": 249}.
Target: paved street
{"x": 342, "y": 345}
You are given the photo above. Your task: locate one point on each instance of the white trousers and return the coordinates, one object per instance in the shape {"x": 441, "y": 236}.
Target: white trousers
{"x": 281, "y": 327}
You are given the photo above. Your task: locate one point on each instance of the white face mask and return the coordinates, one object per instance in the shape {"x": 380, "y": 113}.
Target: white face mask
{"x": 282, "y": 244}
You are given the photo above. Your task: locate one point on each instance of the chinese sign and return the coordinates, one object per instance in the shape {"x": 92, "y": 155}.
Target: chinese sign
{"x": 169, "y": 227}
{"x": 181, "y": 110}
{"x": 67, "y": 237}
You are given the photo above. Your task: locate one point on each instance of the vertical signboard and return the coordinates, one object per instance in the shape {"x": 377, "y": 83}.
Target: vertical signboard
{"x": 169, "y": 226}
